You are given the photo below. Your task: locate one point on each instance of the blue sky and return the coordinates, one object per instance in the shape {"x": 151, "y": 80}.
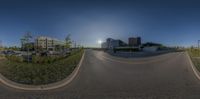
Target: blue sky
{"x": 170, "y": 22}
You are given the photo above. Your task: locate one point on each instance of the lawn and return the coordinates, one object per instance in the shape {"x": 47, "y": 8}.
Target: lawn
{"x": 195, "y": 56}
{"x": 38, "y": 74}
{"x": 194, "y": 52}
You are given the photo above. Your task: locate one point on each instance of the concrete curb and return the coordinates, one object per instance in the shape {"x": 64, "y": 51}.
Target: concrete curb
{"x": 52, "y": 86}
{"x": 196, "y": 72}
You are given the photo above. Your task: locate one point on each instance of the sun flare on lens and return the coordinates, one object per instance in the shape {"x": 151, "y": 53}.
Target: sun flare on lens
{"x": 99, "y": 41}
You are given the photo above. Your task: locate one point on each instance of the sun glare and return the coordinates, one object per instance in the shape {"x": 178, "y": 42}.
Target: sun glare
{"x": 99, "y": 41}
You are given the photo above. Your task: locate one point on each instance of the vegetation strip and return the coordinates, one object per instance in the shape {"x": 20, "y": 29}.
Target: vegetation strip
{"x": 37, "y": 74}
{"x": 51, "y": 86}
{"x": 195, "y": 57}
{"x": 194, "y": 68}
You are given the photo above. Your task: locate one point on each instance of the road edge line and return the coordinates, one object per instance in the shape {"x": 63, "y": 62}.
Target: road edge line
{"x": 52, "y": 86}
{"x": 196, "y": 72}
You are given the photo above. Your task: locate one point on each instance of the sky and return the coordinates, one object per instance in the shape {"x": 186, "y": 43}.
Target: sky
{"x": 170, "y": 22}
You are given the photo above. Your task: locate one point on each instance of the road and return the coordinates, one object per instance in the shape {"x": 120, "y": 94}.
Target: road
{"x": 167, "y": 76}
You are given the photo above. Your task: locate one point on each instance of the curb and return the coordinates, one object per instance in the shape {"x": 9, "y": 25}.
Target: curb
{"x": 52, "y": 86}
{"x": 196, "y": 72}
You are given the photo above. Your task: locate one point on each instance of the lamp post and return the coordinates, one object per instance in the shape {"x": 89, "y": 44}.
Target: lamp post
{"x": 27, "y": 38}
{"x": 198, "y": 47}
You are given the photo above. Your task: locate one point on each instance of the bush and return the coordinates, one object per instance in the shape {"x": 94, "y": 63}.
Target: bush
{"x": 45, "y": 59}
{"x": 15, "y": 58}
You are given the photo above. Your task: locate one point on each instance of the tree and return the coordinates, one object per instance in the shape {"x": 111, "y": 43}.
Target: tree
{"x": 14, "y": 48}
{"x": 26, "y": 42}
{"x": 22, "y": 43}
{"x": 1, "y": 48}
{"x": 68, "y": 41}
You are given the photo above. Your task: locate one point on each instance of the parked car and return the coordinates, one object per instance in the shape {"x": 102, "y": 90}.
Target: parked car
{"x": 18, "y": 54}
{"x": 8, "y": 52}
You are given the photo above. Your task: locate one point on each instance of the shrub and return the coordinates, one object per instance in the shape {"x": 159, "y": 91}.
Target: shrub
{"x": 35, "y": 59}
{"x": 45, "y": 59}
{"x": 15, "y": 58}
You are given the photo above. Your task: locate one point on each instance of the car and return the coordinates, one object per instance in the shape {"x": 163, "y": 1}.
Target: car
{"x": 8, "y": 52}
{"x": 18, "y": 54}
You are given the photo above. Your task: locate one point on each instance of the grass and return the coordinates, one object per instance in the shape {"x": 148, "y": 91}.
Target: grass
{"x": 196, "y": 62}
{"x": 195, "y": 56}
{"x": 38, "y": 74}
{"x": 194, "y": 52}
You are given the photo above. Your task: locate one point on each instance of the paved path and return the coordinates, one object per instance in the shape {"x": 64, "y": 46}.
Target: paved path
{"x": 102, "y": 76}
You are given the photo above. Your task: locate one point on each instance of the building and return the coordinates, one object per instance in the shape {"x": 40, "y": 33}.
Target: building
{"x": 151, "y": 47}
{"x": 49, "y": 44}
{"x": 134, "y": 41}
{"x": 149, "y": 44}
{"x": 104, "y": 45}
{"x": 112, "y": 43}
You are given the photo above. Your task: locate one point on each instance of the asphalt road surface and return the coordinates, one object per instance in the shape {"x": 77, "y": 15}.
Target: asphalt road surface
{"x": 167, "y": 76}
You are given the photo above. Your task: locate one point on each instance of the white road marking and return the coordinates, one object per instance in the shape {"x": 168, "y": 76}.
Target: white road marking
{"x": 196, "y": 72}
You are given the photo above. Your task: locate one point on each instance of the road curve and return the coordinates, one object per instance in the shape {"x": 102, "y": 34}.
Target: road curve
{"x": 102, "y": 76}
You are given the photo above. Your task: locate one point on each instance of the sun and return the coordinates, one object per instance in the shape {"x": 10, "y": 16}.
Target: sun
{"x": 99, "y": 41}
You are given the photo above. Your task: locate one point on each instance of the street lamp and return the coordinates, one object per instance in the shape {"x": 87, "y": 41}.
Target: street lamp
{"x": 100, "y": 42}
{"x": 27, "y": 38}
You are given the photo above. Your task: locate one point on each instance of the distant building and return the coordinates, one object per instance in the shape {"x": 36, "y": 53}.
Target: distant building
{"x": 112, "y": 43}
{"x": 149, "y": 44}
{"x": 134, "y": 41}
{"x": 151, "y": 47}
{"x": 104, "y": 45}
{"x": 49, "y": 44}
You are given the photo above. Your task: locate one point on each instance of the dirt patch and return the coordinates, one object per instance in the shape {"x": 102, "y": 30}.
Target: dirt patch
{"x": 2, "y": 58}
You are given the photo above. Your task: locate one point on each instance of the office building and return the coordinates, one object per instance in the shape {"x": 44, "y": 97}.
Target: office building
{"x": 112, "y": 43}
{"x": 134, "y": 41}
{"x": 49, "y": 44}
